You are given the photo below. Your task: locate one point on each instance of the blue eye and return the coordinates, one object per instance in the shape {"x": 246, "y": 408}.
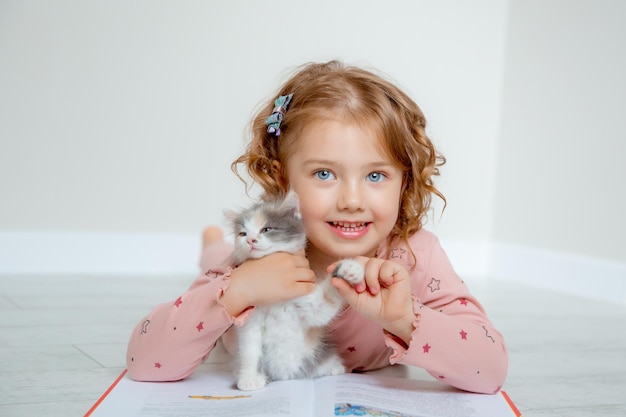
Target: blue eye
{"x": 324, "y": 175}
{"x": 375, "y": 177}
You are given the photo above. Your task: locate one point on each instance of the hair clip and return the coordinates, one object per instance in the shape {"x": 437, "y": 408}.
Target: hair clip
{"x": 281, "y": 104}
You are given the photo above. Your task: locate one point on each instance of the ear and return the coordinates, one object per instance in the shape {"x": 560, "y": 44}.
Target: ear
{"x": 231, "y": 216}
{"x": 277, "y": 167}
{"x": 291, "y": 202}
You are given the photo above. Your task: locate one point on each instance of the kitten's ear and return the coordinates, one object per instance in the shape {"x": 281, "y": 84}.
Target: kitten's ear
{"x": 231, "y": 215}
{"x": 291, "y": 202}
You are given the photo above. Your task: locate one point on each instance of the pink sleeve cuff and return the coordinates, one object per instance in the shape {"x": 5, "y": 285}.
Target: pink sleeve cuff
{"x": 243, "y": 317}
{"x": 398, "y": 346}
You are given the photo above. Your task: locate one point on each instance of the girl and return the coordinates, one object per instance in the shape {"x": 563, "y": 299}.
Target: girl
{"x": 354, "y": 149}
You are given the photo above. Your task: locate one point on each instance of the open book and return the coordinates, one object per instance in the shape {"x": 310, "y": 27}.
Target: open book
{"x": 211, "y": 391}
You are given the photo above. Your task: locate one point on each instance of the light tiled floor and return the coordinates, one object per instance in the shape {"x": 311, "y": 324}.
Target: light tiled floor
{"x": 63, "y": 341}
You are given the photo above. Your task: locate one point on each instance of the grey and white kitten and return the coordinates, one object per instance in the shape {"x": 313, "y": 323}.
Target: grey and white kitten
{"x": 286, "y": 340}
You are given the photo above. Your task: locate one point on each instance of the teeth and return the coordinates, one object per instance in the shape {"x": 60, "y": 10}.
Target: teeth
{"x": 349, "y": 227}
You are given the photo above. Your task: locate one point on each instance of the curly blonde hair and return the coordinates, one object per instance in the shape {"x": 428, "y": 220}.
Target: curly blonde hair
{"x": 332, "y": 89}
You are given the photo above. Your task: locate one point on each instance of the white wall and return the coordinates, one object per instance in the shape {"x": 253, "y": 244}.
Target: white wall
{"x": 561, "y": 171}
{"x": 119, "y": 120}
{"x": 123, "y": 117}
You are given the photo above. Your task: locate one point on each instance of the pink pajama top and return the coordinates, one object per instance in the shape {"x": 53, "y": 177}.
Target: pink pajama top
{"x": 453, "y": 338}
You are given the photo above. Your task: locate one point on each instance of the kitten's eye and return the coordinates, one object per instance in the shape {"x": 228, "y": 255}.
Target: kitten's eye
{"x": 375, "y": 177}
{"x": 266, "y": 229}
{"x": 324, "y": 175}
{"x": 243, "y": 234}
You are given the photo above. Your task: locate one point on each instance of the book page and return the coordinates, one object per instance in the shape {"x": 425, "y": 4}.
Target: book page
{"x": 374, "y": 395}
{"x": 210, "y": 391}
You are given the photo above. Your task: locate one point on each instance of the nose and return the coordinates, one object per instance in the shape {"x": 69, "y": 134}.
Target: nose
{"x": 351, "y": 197}
{"x": 251, "y": 241}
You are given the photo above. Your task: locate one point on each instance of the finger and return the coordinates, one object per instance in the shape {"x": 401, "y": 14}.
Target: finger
{"x": 388, "y": 273}
{"x": 301, "y": 262}
{"x": 360, "y": 287}
{"x": 372, "y": 272}
{"x": 301, "y": 288}
{"x": 305, "y": 275}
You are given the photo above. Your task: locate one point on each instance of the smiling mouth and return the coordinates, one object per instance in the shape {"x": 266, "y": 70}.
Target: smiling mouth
{"x": 349, "y": 227}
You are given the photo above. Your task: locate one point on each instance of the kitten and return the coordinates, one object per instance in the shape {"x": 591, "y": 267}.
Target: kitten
{"x": 287, "y": 340}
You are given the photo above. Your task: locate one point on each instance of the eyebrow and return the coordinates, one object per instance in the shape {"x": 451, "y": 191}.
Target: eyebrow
{"x": 328, "y": 162}
{"x": 319, "y": 162}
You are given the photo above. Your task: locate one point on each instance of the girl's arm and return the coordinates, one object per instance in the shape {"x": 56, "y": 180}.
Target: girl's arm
{"x": 170, "y": 342}
{"x": 452, "y": 338}
{"x": 177, "y": 336}
{"x": 430, "y": 319}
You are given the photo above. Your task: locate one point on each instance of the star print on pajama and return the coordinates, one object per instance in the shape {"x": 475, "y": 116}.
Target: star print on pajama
{"x": 144, "y": 326}
{"x": 434, "y": 285}
{"x": 439, "y": 285}
{"x": 452, "y": 337}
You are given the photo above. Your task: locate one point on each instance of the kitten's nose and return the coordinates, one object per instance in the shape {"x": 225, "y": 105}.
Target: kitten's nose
{"x": 251, "y": 241}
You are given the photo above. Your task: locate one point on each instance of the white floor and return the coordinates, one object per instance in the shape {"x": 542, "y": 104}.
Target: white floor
{"x": 63, "y": 341}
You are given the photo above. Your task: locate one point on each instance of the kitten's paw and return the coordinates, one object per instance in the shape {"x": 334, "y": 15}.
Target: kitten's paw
{"x": 251, "y": 382}
{"x": 350, "y": 270}
{"x": 337, "y": 370}
{"x": 331, "y": 366}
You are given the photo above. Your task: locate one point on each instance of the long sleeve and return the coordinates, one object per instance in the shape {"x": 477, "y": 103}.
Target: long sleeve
{"x": 453, "y": 339}
{"x": 177, "y": 336}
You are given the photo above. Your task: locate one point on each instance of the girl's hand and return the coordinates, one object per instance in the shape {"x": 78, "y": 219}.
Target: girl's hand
{"x": 385, "y": 298}
{"x": 269, "y": 280}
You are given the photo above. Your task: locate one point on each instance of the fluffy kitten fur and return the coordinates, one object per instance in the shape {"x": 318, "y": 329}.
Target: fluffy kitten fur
{"x": 286, "y": 340}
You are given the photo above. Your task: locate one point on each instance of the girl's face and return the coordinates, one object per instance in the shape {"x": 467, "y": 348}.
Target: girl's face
{"x": 349, "y": 190}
